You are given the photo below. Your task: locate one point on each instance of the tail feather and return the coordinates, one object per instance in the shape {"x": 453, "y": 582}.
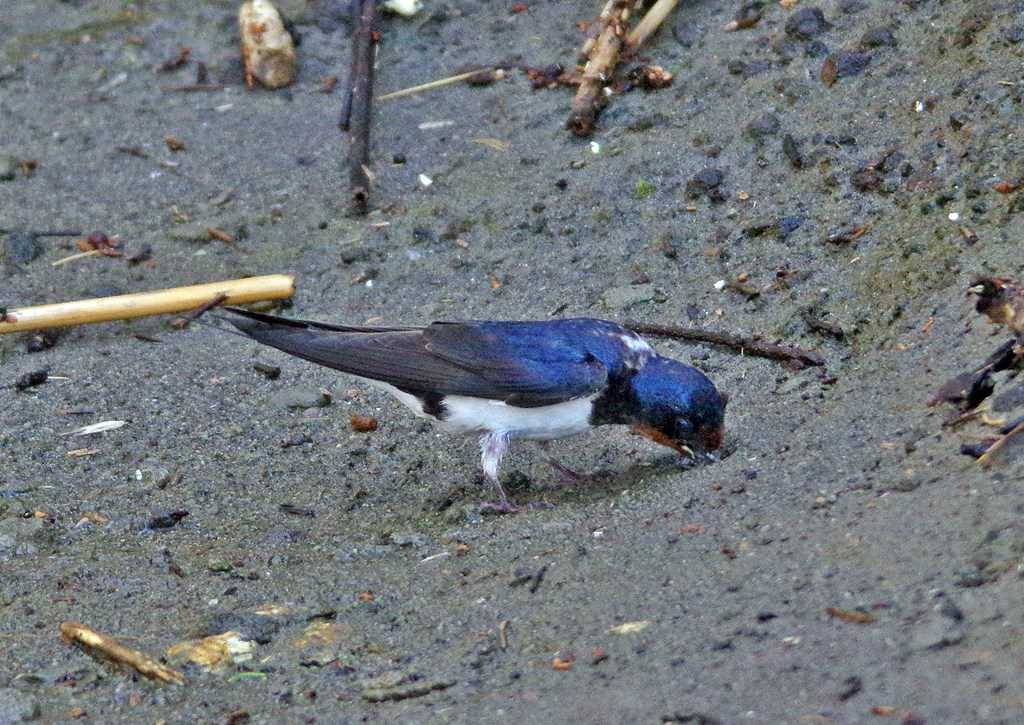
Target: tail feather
{"x": 254, "y": 322}
{"x": 249, "y": 322}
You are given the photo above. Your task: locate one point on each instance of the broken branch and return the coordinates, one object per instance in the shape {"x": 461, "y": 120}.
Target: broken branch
{"x": 745, "y": 345}
{"x": 603, "y": 55}
{"x": 144, "y": 304}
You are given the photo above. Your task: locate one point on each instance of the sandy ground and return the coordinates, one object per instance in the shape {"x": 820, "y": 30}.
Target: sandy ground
{"x": 843, "y": 563}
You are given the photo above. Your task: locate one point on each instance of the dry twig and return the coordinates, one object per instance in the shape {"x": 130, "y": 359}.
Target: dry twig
{"x": 745, "y": 345}
{"x": 357, "y": 109}
{"x": 481, "y": 75}
{"x": 103, "y": 645}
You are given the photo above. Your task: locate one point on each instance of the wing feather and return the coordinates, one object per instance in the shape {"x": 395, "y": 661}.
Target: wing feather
{"x": 449, "y": 358}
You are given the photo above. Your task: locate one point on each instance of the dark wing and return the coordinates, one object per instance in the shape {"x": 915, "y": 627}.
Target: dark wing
{"x": 529, "y": 364}
{"x": 444, "y": 358}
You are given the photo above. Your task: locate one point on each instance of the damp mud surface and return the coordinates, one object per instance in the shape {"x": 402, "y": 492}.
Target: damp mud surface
{"x": 842, "y": 561}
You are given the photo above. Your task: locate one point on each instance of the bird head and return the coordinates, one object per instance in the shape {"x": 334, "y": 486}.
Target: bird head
{"x": 679, "y": 406}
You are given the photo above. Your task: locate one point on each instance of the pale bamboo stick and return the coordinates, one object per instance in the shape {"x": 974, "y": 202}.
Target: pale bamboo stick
{"x": 144, "y": 304}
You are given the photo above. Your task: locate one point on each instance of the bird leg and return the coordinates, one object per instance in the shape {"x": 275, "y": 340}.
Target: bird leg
{"x": 493, "y": 447}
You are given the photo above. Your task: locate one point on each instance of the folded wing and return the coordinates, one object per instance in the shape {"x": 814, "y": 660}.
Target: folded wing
{"x": 520, "y": 365}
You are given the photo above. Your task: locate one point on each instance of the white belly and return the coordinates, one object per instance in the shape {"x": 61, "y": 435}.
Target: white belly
{"x": 477, "y": 415}
{"x": 473, "y": 415}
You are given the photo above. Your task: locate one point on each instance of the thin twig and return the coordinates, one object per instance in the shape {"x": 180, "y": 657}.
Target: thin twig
{"x": 192, "y": 88}
{"x": 745, "y": 345}
{"x": 988, "y": 457}
{"x": 206, "y": 307}
{"x": 434, "y": 84}
{"x": 97, "y": 643}
{"x": 360, "y": 101}
{"x": 73, "y": 257}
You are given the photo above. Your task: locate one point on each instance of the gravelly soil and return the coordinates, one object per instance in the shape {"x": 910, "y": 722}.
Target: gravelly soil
{"x": 840, "y": 491}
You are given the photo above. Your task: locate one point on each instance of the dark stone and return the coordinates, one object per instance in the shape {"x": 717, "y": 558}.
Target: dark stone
{"x": 258, "y": 628}
{"x": 706, "y": 181}
{"x": 806, "y": 23}
{"x": 849, "y": 63}
{"x": 166, "y": 520}
{"x": 788, "y": 225}
{"x": 40, "y": 341}
{"x": 816, "y": 49}
{"x": 31, "y": 380}
{"x": 792, "y": 151}
{"x": 878, "y": 38}
{"x": 20, "y": 248}
{"x": 851, "y": 686}
{"x": 758, "y": 227}
{"x": 421, "y": 235}
{"x": 952, "y": 611}
{"x": 761, "y": 128}
{"x": 749, "y": 70}
{"x": 1013, "y": 35}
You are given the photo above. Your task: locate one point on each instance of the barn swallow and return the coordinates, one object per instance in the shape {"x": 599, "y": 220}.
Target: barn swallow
{"x": 514, "y": 380}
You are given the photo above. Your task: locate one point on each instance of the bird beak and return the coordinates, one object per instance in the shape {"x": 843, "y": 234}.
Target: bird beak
{"x": 976, "y": 289}
{"x": 712, "y": 438}
{"x": 660, "y": 438}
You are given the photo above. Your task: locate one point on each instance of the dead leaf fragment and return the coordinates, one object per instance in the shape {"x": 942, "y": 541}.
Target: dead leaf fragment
{"x": 829, "y": 71}
{"x": 363, "y": 423}
{"x": 850, "y": 615}
{"x": 563, "y": 664}
{"x": 220, "y": 235}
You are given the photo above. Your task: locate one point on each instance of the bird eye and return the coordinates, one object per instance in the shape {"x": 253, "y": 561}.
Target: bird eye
{"x": 684, "y": 428}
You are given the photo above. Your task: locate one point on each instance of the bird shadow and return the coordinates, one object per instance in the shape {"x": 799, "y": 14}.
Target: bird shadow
{"x": 549, "y": 488}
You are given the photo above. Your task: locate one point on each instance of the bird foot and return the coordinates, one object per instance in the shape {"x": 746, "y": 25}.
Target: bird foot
{"x": 497, "y": 508}
{"x": 567, "y": 476}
